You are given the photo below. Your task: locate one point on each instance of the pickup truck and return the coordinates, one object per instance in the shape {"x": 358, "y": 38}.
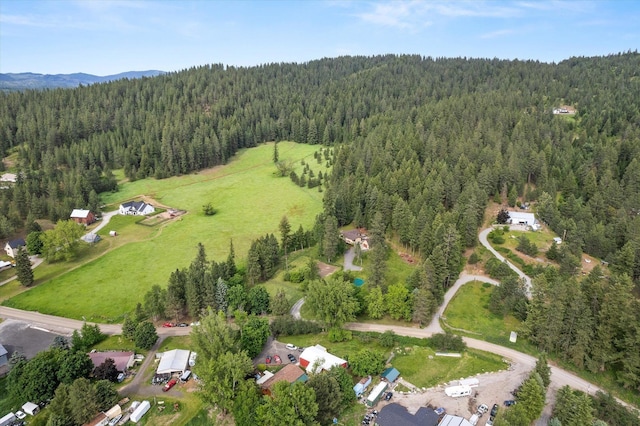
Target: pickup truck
{"x": 171, "y": 383}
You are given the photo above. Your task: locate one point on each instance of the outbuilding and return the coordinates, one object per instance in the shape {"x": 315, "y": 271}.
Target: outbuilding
{"x": 31, "y": 408}
{"x": 376, "y": 394}
{"x": 140, "y": 411}
{"x": 390, "y": 374}
{"x": 316, "y": 359}
{"x": 174, "y": 361}
{"x": 83, "y": 217}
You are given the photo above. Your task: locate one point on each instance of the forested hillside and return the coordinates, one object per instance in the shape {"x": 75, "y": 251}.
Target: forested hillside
{"x": 422, "y": 144}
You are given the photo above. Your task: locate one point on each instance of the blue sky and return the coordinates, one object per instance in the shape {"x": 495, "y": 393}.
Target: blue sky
{"x": 106, "y": 37}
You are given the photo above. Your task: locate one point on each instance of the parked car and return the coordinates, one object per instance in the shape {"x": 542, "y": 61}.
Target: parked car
{"x": 20, "y": 415}
{"x": 388, "y": 396}
{"x": 167, "y": 324}
{"x": 291, "y": 347}
{"x": 494, "y": 410}
{"x": 121, "y": 377}
{"x": 509, "y": 402}
{"x": 277, "y": 359}
{"x": 268, "y": 359}
{"x": 171, "y": 383}
{"x": 183, "y": 324}
{"x": 489, "y": 422}
{"x": 483, "y": 408}
{"x": 440, "y": 411}
{"x": 291, "y": 358}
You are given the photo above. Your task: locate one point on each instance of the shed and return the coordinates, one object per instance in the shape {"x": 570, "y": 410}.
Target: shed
{"x": 362, "y": 385}
{"x": 91, "y": 238}
{"x": 3, "y": 356}
{"x": 390, "y": 374}
{"x": 376, "y": 394}
{"x": 30, "y": 408}
{"x": 140, "y": 411}
{"x": 174, "y": 361}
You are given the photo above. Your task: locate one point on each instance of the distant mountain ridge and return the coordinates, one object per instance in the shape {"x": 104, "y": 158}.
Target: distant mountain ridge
{"x": 29, "y": 80}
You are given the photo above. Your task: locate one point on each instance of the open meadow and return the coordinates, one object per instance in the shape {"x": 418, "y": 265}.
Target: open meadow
{"x": 250, "y": 200}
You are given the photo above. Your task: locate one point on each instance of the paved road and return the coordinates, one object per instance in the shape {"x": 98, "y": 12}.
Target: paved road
{"x": 483, "y": 240}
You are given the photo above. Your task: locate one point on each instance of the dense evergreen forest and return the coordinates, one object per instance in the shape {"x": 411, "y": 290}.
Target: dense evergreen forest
{"x": 421, "y": 146}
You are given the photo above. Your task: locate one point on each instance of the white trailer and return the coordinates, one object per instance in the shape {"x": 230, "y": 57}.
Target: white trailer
{"x": 458, "y": 391}
{"x": 8, "y": 419}
{"x": 140, "y": 411}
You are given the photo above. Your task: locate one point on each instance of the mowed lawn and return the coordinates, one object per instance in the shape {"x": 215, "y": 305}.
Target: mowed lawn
{"x": 250, "y": 201}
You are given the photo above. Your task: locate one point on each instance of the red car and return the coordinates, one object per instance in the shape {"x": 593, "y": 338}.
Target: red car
{"x": 167, "y": 324}
{"x": 277, "y": 359}
{"x": 268, "y": 359}
{"x": 171, "y": 383}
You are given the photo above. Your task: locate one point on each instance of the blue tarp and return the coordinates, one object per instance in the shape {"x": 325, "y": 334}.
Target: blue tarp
{"x": 390, "y": 374}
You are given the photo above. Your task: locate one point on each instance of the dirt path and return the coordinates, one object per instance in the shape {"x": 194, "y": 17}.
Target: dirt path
{"x": 483, "y": 240}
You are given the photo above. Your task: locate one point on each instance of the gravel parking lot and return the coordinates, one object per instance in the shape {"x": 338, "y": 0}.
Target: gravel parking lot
{"x": 274, "y": 347}
{"x": 494, "y": 388}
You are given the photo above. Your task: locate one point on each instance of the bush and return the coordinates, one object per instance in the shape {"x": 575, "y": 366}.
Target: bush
{"x": 339, "y": 335}
{"x": 447, "y": 342}
{"x": 474, "y": 258}
{"x": 387, "y": 339}
{"x": 288, "y": 326}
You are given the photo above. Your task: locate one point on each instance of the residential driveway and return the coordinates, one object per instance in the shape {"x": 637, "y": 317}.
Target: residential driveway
{"x": 349, "y": 255}
{"x": 106, "y": 217}
{"x": 485, "y": 242}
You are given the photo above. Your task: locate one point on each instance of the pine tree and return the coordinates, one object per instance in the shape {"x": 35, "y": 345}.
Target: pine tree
{"x": 23, "y": 268}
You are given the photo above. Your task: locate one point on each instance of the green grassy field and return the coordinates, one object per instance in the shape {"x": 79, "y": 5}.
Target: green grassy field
{"x": 468, "y": 310}
{"x": 250, "y": 201}
{"x": 417, "y": 368}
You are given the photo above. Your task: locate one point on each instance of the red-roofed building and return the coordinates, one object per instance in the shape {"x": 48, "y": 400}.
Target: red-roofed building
{"x": 122, "y": 360}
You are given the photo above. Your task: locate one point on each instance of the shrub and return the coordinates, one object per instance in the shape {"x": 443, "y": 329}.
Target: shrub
{"x": 447, "y": 342}
{"x": 339, "y": 335}
{"x": 387, "y": 339}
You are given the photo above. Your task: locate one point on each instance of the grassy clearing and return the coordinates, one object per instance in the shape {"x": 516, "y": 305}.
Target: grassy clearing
{"x": 116, "y": 343}
{"x": 469, "y": 310}
{"x": 250, "y": 201}
{"x": 175, "y": 342}
{"x": 190, "y": 406}
{"x": 420, "y": 367}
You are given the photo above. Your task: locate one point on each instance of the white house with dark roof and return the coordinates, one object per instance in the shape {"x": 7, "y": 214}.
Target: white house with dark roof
{"x": 13, "y": 246}
{"x": 136, "y": 208}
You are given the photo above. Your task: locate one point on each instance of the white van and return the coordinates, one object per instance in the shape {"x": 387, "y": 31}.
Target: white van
{"x": 458, "y": 391}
